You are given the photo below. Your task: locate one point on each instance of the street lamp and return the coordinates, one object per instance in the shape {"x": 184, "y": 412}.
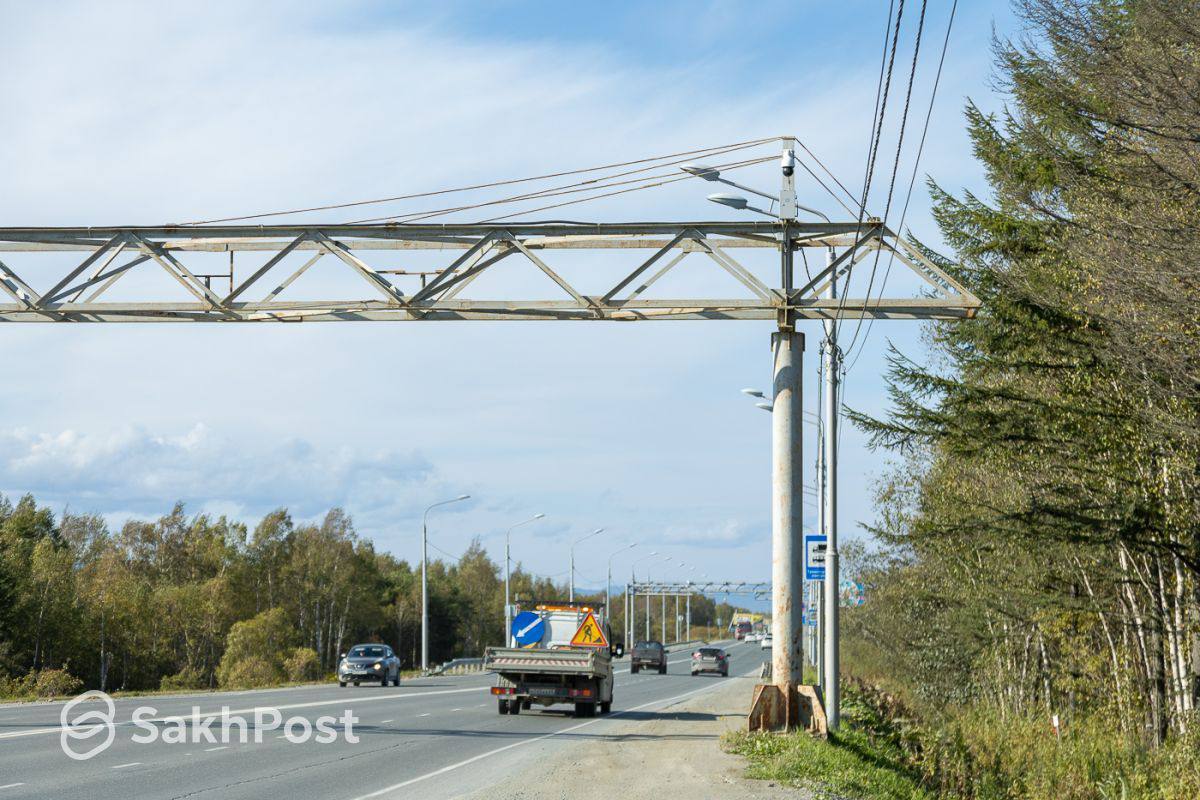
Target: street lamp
{"x": 732, "y": 200}
{"x": 424, "y": 579}
{"x": 608, "y": 582}
{"x": 632, "y": 608}
{"x": 577, "y": 541}
{"x": 507, "y": 562}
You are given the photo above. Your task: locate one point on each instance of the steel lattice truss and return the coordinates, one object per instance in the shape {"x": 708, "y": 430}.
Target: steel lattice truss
{"x": 104, "y": 285}
{"x": 656, "y": 588}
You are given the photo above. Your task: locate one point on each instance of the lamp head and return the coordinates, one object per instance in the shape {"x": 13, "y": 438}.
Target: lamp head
{"x": 702, "y": 171}
{"x": 731, "y": 200}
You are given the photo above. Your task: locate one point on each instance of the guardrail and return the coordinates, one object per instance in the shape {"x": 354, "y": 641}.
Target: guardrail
{"x": 458, "y": 666}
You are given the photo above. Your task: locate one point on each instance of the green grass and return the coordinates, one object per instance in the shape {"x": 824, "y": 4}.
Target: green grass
{"x": 972, "y": 754}
{"x": 864, "y": 759}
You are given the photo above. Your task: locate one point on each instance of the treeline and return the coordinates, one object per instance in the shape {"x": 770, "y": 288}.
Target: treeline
{"x": 196, "y": 602}
{"x": 1042, "y": 534}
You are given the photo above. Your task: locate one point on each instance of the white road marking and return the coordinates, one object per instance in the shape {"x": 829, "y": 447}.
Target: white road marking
{"x": 426, "y": 714}
{"x": 455, "y": 709}
{"x": 364, "y": 698}
{"x": 130, "y": 764}
{"x": 386, "y": 721}
{"x": 498, "y": 750}
{"x": 215, "y": 749}
{"x": 11, "y": 785}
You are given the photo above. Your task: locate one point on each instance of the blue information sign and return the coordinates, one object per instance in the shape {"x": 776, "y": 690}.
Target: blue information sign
{"x": 814, "y": 556}
{"x": 528, "y": 628}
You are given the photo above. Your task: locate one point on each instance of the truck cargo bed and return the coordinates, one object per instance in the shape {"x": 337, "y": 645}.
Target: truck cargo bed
{"x": 593, "y": 662}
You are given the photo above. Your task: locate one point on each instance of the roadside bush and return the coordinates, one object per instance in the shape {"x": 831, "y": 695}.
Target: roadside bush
{"x": 56, "y": 683}
{"x": 255, "y": 650}
{"x": 186, "y": 678}
{"x": 302, "y": 665}
{"x": 17, "y": 688}
{"x": 249, "y": 673}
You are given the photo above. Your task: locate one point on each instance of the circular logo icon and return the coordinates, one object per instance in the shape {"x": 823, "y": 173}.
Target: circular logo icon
{"x": 87, "y": 725}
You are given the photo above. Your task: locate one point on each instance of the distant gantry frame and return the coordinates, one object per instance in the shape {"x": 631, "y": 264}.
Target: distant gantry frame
{"x": 83, "y": 291}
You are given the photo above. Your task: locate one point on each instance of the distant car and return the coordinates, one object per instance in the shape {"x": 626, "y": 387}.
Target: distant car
{"x": 648, "y": 654}
{"x": 710, "y": 659}
{"x": 369, "y": 662}
{"x": 753, "y": 637}
{"x": 766, "y": 642}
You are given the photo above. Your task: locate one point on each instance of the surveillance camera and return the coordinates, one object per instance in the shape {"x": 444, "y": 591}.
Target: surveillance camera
{"x": 788, "y": 162}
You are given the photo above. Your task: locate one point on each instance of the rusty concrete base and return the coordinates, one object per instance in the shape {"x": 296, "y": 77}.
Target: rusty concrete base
{"x": 790, "y": 707}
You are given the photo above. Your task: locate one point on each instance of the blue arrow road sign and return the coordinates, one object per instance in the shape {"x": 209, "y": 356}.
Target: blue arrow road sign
{"x": 814, "y": 556}
{"x": 528, "y": 628}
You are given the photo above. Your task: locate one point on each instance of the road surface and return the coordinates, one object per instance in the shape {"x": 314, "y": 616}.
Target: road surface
{"x": 434, "y": 737}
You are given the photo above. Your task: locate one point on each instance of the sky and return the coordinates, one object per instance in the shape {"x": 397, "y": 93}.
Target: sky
{"x": 144, "y": 113}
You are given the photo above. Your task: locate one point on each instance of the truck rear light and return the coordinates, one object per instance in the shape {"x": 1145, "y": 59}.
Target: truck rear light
{"x": 579, "y": 693}
{"x": 503, "y": 690}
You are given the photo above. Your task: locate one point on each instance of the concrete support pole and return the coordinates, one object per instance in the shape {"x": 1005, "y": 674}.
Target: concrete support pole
{"x": 663, "y": 616}
{"x": 831, "y": 671}
{"x": 688, "y": 613}
{"x": 507, "y": 599}
{"x": 787, "y": 509}
{"x": 424, "y": 597}
{"x": 625, "y": 619}
{"x": 677, "y": 619}
{"x": 647, "y": 617}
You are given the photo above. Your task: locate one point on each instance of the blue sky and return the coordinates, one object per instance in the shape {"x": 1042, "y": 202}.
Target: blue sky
{"x": 144, "y": 113}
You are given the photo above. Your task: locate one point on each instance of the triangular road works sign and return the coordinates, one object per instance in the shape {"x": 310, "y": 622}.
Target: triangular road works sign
{"x": 590, "y": 634}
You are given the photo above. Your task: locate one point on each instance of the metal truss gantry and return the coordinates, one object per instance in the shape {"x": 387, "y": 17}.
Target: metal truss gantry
{"x": 656, "y": 588}
{"x": 104, "y": 285}
{"x": 685, "y": 589}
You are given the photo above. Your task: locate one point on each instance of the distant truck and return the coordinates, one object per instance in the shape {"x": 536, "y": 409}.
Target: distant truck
{"x": 570, "y": 663}
{"x": 648, "y": 654}
{"x": 743, "y": 628}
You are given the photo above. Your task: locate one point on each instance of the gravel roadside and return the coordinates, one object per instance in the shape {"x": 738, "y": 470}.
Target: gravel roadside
{"x": 675, "y": 752}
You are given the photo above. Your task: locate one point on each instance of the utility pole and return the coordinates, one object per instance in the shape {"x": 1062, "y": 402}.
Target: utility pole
{"x": 425, "y": 581}
{"x": 787, "y": 428}
{"x": 831, "y": 667}
{"x": 577, "y": 541}
{"x": 625, "y": 620}
{"x": 507, "y": 562}
{"x": 787, "y": 532}
{"x": 608, "y": 583}
{"x": 689, "y": 612}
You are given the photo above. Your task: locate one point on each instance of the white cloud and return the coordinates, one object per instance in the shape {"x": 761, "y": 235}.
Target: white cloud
{"x": 143, "y": 473}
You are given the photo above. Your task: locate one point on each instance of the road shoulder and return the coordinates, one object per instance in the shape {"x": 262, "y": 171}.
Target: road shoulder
{"x": 671, "y": 752}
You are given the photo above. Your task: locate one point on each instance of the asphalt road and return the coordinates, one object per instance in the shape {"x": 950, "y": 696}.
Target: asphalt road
{"x": 430, "y": 738}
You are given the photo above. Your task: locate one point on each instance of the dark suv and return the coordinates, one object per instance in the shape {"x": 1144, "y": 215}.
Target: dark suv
{"x": 369, "y": 662}
{"x": 648, "y": 654}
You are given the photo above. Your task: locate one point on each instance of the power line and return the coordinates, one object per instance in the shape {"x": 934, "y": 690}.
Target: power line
{"x": 491, "y": 185}
{"x": 622, "y": 191}
{"x": 912, "y": 180}
{"x": 882, "y": 90}
{"x": 554, "y": 191}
